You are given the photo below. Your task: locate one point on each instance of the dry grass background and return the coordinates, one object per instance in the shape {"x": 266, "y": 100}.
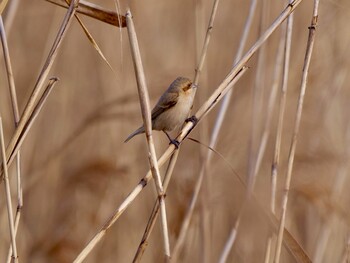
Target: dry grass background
{"x": 77, "y": 170}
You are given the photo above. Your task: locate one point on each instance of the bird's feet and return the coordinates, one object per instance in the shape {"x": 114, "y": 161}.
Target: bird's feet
{"x": 172, "y": 141}
{"x": 175, "y": 142}
{"x": 192, "y": 119}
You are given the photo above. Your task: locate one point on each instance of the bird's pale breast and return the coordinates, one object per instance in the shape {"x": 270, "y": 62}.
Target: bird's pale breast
{"x": 175, "y": 116}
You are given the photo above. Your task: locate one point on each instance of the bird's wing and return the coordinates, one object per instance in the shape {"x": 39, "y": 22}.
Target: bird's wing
{"x": 167, "y": 101}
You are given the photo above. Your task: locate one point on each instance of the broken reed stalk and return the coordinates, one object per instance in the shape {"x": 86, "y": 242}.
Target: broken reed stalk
{"x": 308, "y": 54}
{"x": 237, "y": 71}
{"x": 38, "y": 88}
{"x": 5, "y": 177}
{"x": 147, "y": 123}
{"x": 93, "y": 42}
{"x": 16, "y": 117}
{"x": 214, "y": 136}
{"x": 173, "y": 158}
{"x": 96, "y": 12}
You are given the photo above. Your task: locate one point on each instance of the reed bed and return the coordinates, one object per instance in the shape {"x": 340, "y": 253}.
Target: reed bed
{"x": 264, "y": 177}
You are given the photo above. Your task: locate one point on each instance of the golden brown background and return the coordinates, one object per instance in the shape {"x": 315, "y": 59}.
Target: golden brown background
{"x": 77, "y": 170}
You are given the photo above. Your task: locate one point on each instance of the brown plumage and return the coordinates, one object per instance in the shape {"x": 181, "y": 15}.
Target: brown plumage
{"x": 172, "y": 108}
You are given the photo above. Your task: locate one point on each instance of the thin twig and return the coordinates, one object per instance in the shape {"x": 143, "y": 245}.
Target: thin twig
{"x": 8, "y": 195}
{"x": 16, "y": 117}
{"x": 95, "y": 11}
{"x": 146, "y": 116}
{"x": 308, "y": 54}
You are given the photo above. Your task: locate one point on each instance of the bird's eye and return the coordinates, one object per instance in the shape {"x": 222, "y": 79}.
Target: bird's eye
{"x": 187, "y": 87}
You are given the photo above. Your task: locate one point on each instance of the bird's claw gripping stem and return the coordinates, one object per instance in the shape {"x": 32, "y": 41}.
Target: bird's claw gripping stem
{"x": 192, "y": 119}
{"x": 175, "y": 142}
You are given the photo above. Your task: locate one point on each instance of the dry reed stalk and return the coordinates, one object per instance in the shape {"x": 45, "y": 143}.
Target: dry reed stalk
{"x": 308, "y": 54}
{"x": 257, "y": 101}
{"x": 10, "y": 14}
{"x": 232, "y": 77}
{"x": 203, "y": 132}
{"x": 287, "y": 40}
{"x": 155, "y": 211}
{"x": 263, "y": 142}
{"x": 38, "y": 88}
{"x": 16, "y": 116}
{"x": 230, "y": 241}
{"x": 173, "y": 158}
{"x": 23, "y": 133}
{"x": 147, "y": 122}
{"x": 5, "y": 177}
{"x": 266, "y": 133}
{"x": 283, "y": 98}
{"x": 96, "y": 12}
{"x": 214, "y": 136}
{"x": 206, "y": 240}
{"x": 94, "y": 43}
{"x": 292, "y": 246}
{"x": 227, "y": 83}
{"x": 29, "y": 124}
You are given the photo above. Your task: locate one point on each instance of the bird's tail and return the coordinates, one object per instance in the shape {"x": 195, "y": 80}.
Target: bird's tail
{"x": 138, "y": 131}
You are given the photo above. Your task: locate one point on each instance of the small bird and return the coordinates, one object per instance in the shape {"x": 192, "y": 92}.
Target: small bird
{"x": 172, "y": 109}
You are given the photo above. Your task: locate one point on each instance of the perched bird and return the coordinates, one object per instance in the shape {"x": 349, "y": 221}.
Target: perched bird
{"x": 172, "y": 109}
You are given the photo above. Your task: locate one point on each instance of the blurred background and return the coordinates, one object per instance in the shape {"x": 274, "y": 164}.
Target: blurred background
{"x": 77, "y": 170}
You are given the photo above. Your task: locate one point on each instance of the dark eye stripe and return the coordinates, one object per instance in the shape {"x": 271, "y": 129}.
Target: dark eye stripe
{"x": 187, "y": 87}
